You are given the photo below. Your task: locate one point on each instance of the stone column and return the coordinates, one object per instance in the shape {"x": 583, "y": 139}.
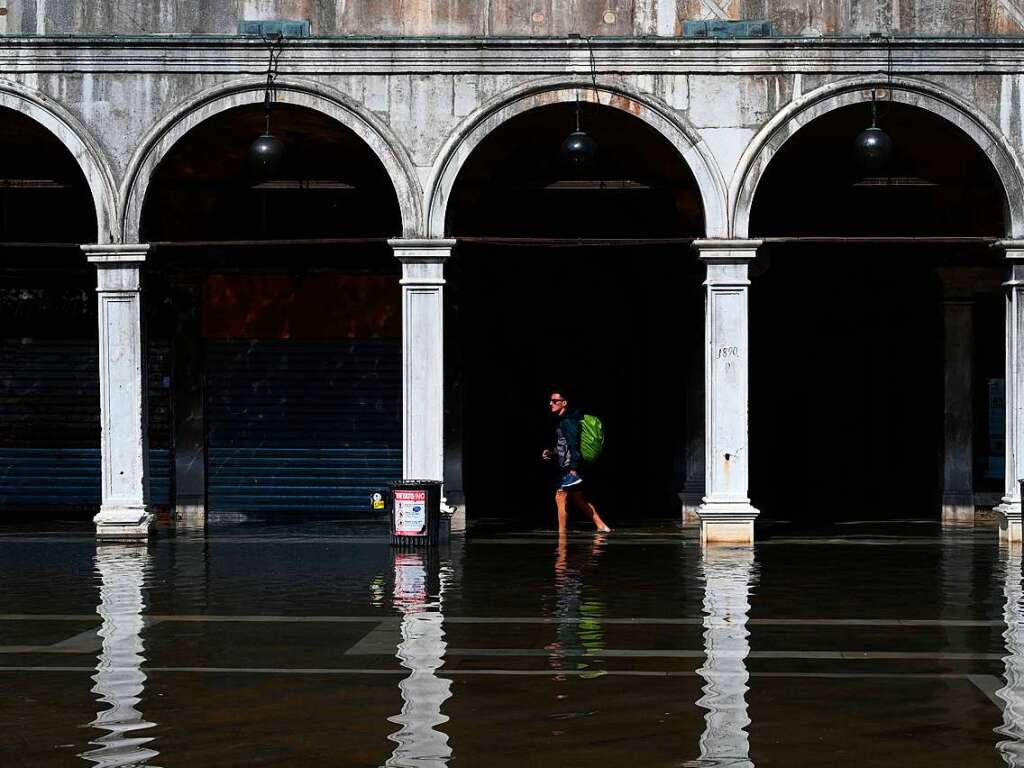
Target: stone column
{"x": 958, "y": 389}
{"x": 726, "y": 514}
{"x": 124, "y": 441}
{"x": 422, "y": 356}
{"x": 1009, "y": 509}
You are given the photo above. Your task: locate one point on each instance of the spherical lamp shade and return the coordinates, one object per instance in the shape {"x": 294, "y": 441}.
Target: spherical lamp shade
{"x": 872, "y": 148}
{"x": 579, "y": 150}
{"x": 265, "y": 157}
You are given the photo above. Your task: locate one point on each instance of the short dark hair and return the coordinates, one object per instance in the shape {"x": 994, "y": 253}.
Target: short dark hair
{"x": 563, "y": 392}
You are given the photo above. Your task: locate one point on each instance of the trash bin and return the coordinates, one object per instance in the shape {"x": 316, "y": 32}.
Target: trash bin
{"x": 415, "y": 513}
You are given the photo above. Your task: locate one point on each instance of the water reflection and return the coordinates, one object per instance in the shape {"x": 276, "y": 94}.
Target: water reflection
{"x": 579, "y": 631}
{"x": 1012, "y": 694}
{"x": 728, "y": 577}
{"x": 119, "y": 677}
{"x": 419, "y": 595}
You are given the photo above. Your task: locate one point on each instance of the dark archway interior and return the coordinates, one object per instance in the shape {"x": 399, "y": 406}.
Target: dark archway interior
{"x": 616, "y": 325}
{"x": 330, "y": 186}
{"x": 49, "y": 378}
{"x": 516, "y": 184}
{"x": 44, "y": 197}
{"x": 282, "y": 358}
{"x": 847, "y": 339}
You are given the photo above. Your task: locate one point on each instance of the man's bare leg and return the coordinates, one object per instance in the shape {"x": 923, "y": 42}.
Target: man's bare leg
{"x": 562, "y": 504}
{"x": 590, "y": 510}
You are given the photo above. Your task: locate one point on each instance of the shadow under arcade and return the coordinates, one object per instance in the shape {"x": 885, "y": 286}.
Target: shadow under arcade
{"x": 877, "y": 371}
{"x": 580, "y": 280}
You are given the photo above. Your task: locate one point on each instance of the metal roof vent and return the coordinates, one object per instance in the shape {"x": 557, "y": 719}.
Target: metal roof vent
{"x": 274, "y": 28}
{"x": 726, "y": 29}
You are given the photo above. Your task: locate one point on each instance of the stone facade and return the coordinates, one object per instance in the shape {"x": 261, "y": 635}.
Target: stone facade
{"x": 422, "y": 101}
{"x": 423, "y": 105}
{"x": 511, "y": 18}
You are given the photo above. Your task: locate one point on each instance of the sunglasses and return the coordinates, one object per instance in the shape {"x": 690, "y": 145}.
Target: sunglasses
{"x": 553, "y": 402}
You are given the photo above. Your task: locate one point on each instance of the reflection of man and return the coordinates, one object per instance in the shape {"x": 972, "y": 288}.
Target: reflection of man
{"x": 567, "y": 451}
{"x": 580, "y": 633}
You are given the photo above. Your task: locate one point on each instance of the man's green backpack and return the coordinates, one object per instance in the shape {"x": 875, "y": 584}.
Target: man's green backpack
{"x": 591, "y": 437}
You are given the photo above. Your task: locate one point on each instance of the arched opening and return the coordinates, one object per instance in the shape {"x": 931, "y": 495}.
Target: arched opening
{"x": 877, "y": 371}
{"x": 277, "y": 303}
{"x": 49, "y": 378}
{"x": 559, "y": 281}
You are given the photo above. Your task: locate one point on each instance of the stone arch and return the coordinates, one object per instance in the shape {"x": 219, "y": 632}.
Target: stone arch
{"x": 916, "y": 93}
{"x": 73, "y": 134}
{"x": 380, "y": 140}
{"x": 477, "y": 126}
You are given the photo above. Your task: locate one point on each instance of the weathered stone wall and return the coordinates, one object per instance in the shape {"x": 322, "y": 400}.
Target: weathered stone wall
{"x": 514, "y": 18}
{"x": 416, "y": 103}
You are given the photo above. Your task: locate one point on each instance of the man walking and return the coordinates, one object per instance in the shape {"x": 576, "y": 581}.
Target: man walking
{"x": 567, "y": 451}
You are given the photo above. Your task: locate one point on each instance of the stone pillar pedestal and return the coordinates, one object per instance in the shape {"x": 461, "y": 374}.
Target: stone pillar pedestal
{"x": 422, "y": 356}
{"x": 124, "y": 440}
{"x": 958, "y": 394}
{"x": 1009, "y": 510}
{"x": 726, "y": 515}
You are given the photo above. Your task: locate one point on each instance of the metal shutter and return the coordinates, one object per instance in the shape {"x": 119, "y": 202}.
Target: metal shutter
{"x": 302, "y": 426}
{"x": 50, "y": 431}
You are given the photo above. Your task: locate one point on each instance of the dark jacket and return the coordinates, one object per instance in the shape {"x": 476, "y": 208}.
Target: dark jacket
{"x": 567, "y": 440}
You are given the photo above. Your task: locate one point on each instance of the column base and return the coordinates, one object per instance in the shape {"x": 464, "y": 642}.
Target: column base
{"x": 1009, "y": 517}
{"x": 123, "y": 522}
{"x": 958, "y": 507}
{"x": 727, "y": 522}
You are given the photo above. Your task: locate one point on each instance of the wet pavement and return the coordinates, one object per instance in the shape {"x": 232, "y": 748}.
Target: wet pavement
{"x": 862, "y": 644}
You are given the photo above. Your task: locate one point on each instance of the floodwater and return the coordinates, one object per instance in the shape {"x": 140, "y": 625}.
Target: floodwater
{"x": 875, "y": 644}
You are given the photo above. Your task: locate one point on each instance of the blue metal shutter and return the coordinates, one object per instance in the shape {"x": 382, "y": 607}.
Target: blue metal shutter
{"x": 302, "y": 426}
{"x": 158, "y": 360}
{"x": 50, "y": 426}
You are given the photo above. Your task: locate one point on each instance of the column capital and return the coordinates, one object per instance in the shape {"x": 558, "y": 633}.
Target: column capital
{"x": 116, "y": 253}
{"x": 422, "y": 250}
{"x": 1013, "y": 249}
{"x": 118, "y": 266}
{"x": 728, "y": 251}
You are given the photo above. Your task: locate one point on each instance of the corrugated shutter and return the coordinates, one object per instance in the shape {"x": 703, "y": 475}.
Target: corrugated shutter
{"x": 302, "y": 425}
{"x": 159, "y": 401}
{"x": 50, "y": 431}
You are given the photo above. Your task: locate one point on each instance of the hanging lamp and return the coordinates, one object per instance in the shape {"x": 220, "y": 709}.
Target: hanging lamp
{"x": 579, "y": 150}
{"x": 267, "y": 152}
{"x": 873, "y": 147}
